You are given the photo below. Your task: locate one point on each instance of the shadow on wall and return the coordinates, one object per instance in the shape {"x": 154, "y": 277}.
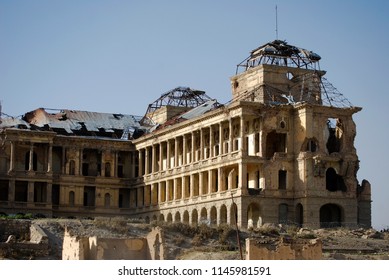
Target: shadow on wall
{"x": 96, "y": 248}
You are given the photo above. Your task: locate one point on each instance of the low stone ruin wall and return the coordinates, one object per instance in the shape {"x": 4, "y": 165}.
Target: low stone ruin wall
{"x": 96, "y": 248}
{"x": 21, "y": 240}
{"x": 283, "y": 249}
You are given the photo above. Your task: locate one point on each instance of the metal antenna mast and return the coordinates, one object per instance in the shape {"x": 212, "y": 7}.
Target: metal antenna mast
{"x": 276, "y": 23}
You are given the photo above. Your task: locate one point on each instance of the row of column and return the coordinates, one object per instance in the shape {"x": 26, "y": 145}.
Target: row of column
{"x": 198, "y": 145}
{"x": 31, "y": 158}
{"x": 66, "y": 164}
{"x": 190, "y": 186}
{"x": 46, "y": 188}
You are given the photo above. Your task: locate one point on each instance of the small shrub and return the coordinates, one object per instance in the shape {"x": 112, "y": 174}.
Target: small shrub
{"x": 197, "y": 240}
{"x": 184, "y": 229}
{"x": 116, "y": 224}
{"x": 205, "y": 231}
{"x": 178, "y": 240}
{"x": 225, "y": 232}
{"x": 292, "y": 230}
{"x": 268, "y": 231}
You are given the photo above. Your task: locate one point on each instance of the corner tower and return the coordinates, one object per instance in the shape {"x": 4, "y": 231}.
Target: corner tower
{"x": 305, "y": 133}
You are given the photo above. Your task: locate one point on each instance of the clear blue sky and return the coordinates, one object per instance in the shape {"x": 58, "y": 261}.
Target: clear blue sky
{"x": 119, "y": 56}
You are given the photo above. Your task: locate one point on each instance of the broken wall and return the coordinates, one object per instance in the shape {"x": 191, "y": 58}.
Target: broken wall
{"x": 23, "y": 241}
{"x": 281, "y": 250}
{"x": 96, "y": 248}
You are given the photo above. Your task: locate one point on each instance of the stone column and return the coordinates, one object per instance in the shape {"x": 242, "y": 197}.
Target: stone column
{"x": 30, "y": 192}
{"x": 176, "y": 141}
{"x": 202, "y": 155}
{"x": 242, "y": 177}
{"x": 168, "y": 155}
{"x": 159, "y": 192}
{"x": 154, "y": 159}
{"x": 147, "y": 159}
{"x": 63, "y": 162}
{"x": 49, "y": 191}
{"x": 11, "y": 190}
{"x": 242, "y": 137}
{"x": 154, "y": 194}
{"x": 31, "y": 160}
{"x": 221, "y": 138}
{"x": 12, "y": 157}
{"x": 183, "y": 183}
{"x": 201, "y": 183}
{"x": 184, "y": 149}
{"x": 220, "y": 179}
{"x": 50, "y": 158}
{"x": 191, "y": 184}
{"x": 141, "y": 162}
{"x": 161, "y": 156}
{"x": 210, "y": 181}
{"x": 80, "y": 160}
{"x": 211, "y": 142}
{"x": 193, "y": 146}
{"x": 231, "y": 138}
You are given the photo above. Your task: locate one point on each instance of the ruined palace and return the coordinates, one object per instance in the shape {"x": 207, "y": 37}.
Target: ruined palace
{"x": 281, "y": 151}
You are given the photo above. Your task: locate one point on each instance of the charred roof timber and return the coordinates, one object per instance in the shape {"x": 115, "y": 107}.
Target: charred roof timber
{"x": 280, "y": 53}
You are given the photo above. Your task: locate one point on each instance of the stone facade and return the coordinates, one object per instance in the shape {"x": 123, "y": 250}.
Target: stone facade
{"x": 280, "y": 152}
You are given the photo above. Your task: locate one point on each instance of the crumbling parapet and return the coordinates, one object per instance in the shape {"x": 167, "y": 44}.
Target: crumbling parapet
{"x": 283, "y": 249}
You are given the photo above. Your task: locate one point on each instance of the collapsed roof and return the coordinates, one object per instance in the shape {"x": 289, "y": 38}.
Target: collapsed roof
{"x": 80, "y": 123}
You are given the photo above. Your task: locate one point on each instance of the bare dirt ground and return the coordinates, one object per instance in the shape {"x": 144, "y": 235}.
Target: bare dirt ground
{"x": 205, "y": 243}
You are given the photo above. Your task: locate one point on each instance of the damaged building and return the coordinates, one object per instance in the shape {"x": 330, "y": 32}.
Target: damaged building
{"x": 281, "y": 151}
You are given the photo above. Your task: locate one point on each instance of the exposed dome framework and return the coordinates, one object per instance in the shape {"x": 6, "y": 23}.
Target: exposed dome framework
{"x": 177, "y": 97}
{"x": 280, "y": 53}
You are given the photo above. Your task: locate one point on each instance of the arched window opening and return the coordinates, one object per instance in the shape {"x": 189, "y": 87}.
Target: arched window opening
{"x": 223, "y": 215}
{"x": 330, "y": 216}
{"x": 254, "y": 219}
{"x": 213, "y": 216}
{"x": 177, "y": 217}
{"x": 299, "y": 215}
{"x": 169, "y": 218}
{"x": 195, "y": 217}
{"x": 107, "y": 200}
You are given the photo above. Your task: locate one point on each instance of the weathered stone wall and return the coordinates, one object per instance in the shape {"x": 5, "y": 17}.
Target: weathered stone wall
{"x": 35, "y": 242}
{"x": 155, "y": 243}
{"x": 74, "y": 247}
{"x": 96, "y": 248}
{"x": 19, "y": 228}
{"x": 294, "y": 250}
